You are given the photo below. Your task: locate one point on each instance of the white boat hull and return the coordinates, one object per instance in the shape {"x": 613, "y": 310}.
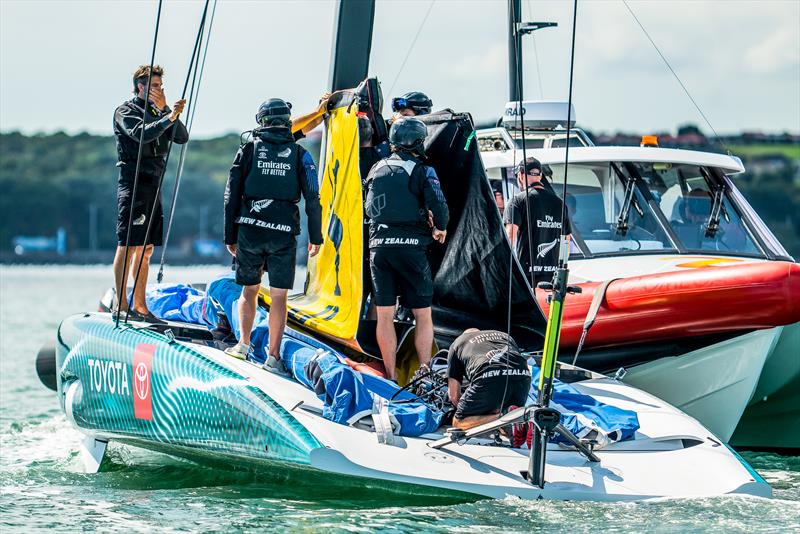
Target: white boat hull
{"x": 672, "y": 455}
{"x": 713, "y": 384}
{"x": 772, "y": 419}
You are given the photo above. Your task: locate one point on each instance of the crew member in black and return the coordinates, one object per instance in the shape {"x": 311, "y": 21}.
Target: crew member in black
{"x": 262, "y": 221}
{"x": 404, "y": 200}
{"x": 542, "y": 208}
{"x": 160, "y": 124}
{"x": 497, "y": 376}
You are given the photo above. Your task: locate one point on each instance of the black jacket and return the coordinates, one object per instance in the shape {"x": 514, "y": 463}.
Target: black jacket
{"x": 157, "y": 131}
{"x": 309, "y": 187}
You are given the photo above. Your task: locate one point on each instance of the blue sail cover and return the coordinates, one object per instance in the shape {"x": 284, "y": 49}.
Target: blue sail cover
{"x": 584, "y": 416}
{"x": 346, "y": 393}
{"x": 349, "y": 395}
{"x": 180, "y": 302}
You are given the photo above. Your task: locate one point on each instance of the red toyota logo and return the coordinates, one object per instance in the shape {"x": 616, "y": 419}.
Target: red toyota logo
{"x": 142, "y": 397}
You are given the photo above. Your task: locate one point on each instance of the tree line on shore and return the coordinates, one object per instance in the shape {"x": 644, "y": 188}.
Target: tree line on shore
{"x": 69, "y": 181}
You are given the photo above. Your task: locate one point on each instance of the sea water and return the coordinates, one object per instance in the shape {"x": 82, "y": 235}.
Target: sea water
{"x": 42, "y": 486}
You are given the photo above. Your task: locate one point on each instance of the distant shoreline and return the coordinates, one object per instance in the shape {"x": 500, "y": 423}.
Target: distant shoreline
{"x": 104, "y": 257}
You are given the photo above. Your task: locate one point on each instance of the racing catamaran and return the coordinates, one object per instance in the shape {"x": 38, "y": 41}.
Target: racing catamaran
{"x": 170, "y": 387}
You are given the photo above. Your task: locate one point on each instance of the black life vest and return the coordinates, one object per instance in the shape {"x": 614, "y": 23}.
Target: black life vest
{"x": 272, "y": 187}
{"x": 389, "y": 196}
{"x": 273, "y": 173}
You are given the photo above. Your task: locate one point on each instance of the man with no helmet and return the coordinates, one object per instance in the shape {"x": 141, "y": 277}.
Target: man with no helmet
{"x": 535, "y": 210}
{"x": 160, "y": 124}
{"x": 487, "y": 374}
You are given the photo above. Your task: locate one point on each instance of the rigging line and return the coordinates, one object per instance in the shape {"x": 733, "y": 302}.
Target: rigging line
{"x": 411, "y": 47}
{"x": 517, "y": 58}
{"x": 536, "y": 55}
{"x": 675, "y": 74}
{"x": 562, "y": 262}
{"x": 136, "y": 175}
{"x": 520, "y": 122}
{"x": 192, "y": 63}
{"x": 203, "y": 63}
{"x": 193, "y": 98}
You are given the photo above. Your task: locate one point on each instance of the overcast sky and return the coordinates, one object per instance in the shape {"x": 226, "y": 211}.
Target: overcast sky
{"x": 65, "y": 65}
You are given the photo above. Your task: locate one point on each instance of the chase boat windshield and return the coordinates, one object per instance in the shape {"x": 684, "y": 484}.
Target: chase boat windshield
{"x": 623, "y": 207}
{"x": 631, "y": 200}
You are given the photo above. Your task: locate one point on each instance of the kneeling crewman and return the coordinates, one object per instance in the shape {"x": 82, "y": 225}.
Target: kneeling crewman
{"x": 262, "y": 220}
{"x": 497, "y": 376}
{"x": 401, "y": 193}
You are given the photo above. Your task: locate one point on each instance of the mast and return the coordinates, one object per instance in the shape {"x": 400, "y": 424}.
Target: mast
{"x": 514, "y": 51}
{"x": 352, "y": 42}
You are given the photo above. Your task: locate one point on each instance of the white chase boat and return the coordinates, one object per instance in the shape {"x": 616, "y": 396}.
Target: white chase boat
{"x": 697, "y": 299}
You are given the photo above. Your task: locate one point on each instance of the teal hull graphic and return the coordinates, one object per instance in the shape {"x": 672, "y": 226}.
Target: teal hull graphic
{"x": 136, "y": 386}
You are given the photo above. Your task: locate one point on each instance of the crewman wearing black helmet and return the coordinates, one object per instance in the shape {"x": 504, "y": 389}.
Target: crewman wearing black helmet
{"x": 411, "y": 104}
{"x": 262, "y": 220}
{"x": 407, "y": 212}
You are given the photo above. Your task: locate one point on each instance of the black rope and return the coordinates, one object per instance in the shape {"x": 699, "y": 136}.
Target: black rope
{"x": 192, "y": 63}
{"x": 562, "y": 261}
{"x": 411, "y": 46}
{"x": 193, "y": 98}
{"x": 136, "y": 175}
{"x": 675, "y": 74}
{"x": 518, "y": 121}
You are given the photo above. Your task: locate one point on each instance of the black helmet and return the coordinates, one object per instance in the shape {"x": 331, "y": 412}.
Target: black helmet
{"x": 274, "y": 112}
{"x": 415, "y": 100}
{"x": 408, "y": 133}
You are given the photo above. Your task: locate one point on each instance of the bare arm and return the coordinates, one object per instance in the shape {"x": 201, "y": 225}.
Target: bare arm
{"x": 454, "y": 390}
{"x": 306, "y": 123}
{"x": 512, "y": 231}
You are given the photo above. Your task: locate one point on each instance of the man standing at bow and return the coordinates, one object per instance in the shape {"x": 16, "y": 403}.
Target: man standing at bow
{"x": 160, "y": 123}
{"x": 403, "y": 199}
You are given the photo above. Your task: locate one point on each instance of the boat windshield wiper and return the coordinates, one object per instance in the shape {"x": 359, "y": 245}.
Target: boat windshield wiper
{"x": 712, "y": 224}
{"x": 629, "y": 200}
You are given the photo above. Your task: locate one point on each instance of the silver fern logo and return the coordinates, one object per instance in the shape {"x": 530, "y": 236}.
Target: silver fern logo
{"x": 259, "y": 205}
{"x": 544, "y": 248}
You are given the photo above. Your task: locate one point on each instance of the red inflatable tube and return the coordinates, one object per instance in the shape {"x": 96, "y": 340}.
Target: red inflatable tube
{"x": 688, "y": 303}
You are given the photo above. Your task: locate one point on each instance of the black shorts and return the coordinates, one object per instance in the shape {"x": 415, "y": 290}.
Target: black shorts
{"x": 403, "y": 272}
{"x": 146, "y": 201}
{"x": 485, "y": 396}
{"x": 260, "y": 250}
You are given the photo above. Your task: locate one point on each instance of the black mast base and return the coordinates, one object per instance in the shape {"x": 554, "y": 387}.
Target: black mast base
{"x": 546, "y": 424}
